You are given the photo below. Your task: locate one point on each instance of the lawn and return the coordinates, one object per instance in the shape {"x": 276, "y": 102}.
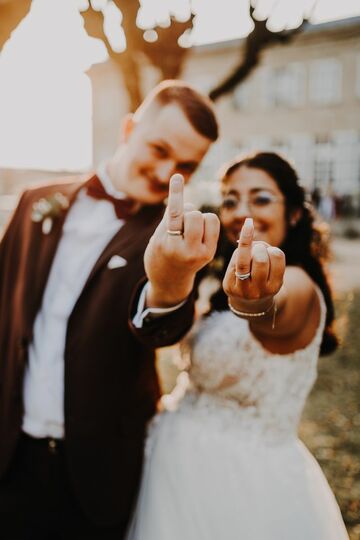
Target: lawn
{"x": 331, "y": 420}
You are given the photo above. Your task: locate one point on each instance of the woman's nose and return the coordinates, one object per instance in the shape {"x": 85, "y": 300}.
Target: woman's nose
{"x": 242, "y": 209}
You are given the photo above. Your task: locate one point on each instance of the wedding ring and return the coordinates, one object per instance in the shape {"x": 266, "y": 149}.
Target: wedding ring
{"x": 242, "y": 277}
{"x": 174, "y": 233}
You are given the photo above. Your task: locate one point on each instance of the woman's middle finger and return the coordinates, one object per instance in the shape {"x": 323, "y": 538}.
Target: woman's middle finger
{"x": 243, "y": 252}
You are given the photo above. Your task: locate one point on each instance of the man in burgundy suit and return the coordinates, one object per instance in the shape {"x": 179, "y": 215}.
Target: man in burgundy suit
{"x": 78, "y": 327}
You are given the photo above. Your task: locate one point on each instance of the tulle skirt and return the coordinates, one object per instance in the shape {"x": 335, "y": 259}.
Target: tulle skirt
{"x": 204, "y": 481}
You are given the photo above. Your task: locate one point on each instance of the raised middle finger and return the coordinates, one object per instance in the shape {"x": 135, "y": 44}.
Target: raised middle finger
{"x": 175, "y": 208}
{"x": 243, "y": 258}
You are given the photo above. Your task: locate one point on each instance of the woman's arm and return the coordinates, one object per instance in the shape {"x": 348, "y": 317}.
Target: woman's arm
{"x": 281, "y": 303}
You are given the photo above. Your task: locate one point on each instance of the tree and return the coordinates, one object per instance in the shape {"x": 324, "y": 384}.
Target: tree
{"x": 11, "y": 13}
{"x": 165, "y": 53}
{"x": 256, "y": 42}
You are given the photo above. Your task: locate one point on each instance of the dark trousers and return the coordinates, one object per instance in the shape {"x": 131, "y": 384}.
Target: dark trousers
{"x": 36, "y": 499}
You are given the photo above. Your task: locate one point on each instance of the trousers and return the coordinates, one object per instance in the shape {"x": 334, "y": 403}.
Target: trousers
{"x": 37, "y": 500}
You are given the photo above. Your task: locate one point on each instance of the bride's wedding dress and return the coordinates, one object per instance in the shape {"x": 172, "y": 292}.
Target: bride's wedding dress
{"x": 227, "y": 464}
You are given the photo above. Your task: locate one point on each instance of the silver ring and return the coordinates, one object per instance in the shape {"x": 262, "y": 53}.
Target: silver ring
{"x": 174, "y": 233}
{"x": 242, "y": 277}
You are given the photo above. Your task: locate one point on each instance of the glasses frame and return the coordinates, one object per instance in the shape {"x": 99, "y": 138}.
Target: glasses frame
{"x": 247, "y": 200}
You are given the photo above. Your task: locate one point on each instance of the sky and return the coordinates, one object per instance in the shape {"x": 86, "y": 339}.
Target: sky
{"x": 219, "y": 20}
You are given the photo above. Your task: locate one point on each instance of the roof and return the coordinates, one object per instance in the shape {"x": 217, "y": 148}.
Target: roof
{"x": 338, "y": 24}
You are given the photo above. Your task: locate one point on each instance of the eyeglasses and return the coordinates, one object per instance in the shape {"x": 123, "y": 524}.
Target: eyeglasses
{"x": 255, "y": 201}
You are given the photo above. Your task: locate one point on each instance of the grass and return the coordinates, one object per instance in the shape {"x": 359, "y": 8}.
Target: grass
{"x": 331, "y": 420}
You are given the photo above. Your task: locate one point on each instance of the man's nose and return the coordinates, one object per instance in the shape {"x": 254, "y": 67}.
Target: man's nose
{"x": 165, "y": 170}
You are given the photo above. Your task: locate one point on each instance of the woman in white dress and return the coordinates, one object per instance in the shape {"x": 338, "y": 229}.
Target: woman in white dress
{"x": 226, "y": 462}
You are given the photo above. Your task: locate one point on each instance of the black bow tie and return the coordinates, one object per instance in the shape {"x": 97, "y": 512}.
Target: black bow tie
{"x": 124, "y": 208}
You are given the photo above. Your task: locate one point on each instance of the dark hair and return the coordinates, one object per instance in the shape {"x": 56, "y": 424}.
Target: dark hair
{"x": 197, "y": 108}
{"x": 303, "y": 245}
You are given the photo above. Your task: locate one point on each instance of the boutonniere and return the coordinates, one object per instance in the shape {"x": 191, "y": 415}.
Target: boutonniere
{"x": 46, "y": 209}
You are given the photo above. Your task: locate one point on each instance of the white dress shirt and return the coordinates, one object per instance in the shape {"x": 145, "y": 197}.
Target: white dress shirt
{"x": 88, "y": 228}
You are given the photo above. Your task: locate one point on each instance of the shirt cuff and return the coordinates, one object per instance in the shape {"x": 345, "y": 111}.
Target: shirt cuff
{"x": 152, "y": 312}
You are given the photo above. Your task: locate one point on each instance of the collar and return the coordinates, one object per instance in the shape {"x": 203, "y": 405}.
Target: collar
{"x": 104, "y": 178}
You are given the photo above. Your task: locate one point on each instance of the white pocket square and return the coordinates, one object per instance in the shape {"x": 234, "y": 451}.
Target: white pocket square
{"x": 116, "y": 262}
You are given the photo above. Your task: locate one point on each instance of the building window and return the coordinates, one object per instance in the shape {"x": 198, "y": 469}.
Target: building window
{"x": 285, "y": 86}
{"x": 325, "y": 83}
{"x": 347, "y": 161}
{"x": 301, "y": 151}
{"x": 289, "y": 85}
{"x": 357, "y": 80}
{"x": 323, "y": 162}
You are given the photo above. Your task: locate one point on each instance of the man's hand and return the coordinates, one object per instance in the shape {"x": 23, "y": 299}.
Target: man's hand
{"x": 266, "y": 265}
{"x": 184, "y": 241}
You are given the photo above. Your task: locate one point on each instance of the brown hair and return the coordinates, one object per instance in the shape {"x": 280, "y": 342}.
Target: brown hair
{"x": 197, "y": 108}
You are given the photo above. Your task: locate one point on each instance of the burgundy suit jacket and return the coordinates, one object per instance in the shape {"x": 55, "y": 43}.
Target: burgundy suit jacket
{"x": 111, "y": 386}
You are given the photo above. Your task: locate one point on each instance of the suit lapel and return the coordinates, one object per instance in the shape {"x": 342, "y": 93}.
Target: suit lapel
{"x": 129, "y": 234}
{"x": 44, "y": 246}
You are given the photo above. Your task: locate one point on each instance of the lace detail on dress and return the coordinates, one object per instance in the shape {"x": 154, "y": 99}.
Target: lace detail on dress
{"x": 268, "y": 391}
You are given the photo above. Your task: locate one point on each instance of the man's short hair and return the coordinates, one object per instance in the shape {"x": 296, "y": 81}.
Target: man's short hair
{"x": 197, "y": 107}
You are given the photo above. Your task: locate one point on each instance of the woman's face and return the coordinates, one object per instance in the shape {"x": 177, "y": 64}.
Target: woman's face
{"x": 253, "y": 193}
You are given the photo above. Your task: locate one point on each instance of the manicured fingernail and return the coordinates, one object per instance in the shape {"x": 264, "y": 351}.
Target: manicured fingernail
{"x": 247, "y": 228}
{"x": 177, "y": 179}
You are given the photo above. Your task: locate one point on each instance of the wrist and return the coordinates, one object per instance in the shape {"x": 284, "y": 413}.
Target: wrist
{"x": 271, "y": 310}
{"x": 251, "y": 305}
{"x": 165, "y": 298}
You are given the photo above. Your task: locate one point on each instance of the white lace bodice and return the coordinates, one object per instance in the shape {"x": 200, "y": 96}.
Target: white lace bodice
{"x": 268, "y": 391}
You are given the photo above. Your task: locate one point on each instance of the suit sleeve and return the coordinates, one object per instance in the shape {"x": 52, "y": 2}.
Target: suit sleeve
{"x": 165, "y": 330}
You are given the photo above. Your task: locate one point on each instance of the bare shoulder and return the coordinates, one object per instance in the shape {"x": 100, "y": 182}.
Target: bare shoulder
{"x": 298, "y": 317}
{"x": 303, "y": 302}
{"x": 300, "y": 285}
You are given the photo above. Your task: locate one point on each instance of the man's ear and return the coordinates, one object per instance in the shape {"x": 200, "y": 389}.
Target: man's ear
{"x": 126, "y": 128}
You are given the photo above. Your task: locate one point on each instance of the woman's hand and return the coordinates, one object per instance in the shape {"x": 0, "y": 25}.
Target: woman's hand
{"x": 263, "y": 264}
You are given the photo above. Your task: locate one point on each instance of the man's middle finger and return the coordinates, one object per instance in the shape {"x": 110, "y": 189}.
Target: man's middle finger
{"x": 175, "y": 208}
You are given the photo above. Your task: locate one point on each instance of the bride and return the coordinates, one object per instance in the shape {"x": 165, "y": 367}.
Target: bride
{"x": 226, "y": 463}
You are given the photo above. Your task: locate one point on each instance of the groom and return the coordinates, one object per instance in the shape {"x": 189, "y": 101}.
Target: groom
{"x": 77, "y": 384}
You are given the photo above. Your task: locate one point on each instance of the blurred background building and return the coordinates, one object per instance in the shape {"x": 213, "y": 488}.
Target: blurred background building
{"x": 303, "y": 100}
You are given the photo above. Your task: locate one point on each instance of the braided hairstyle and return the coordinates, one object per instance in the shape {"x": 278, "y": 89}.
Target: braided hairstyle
{"x": 303, "y": 245}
